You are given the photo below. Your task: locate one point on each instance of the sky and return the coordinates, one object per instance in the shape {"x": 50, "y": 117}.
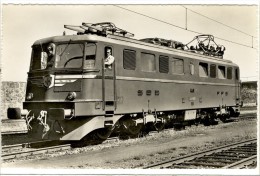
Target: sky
{"x": 24, "y": 24}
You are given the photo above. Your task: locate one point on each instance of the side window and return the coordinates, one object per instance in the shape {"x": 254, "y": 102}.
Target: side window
{"x": 129, "y": 59}
{"x": 109, "y": 58}
{"x": 237, "y": 73}
{"x": 107, "y": 48}
{"x": 203, "y": 70}
{"x": 90, "y": 55}
{"x": 229, "y": 73}
{"x": 213, "y": 73}
{"x": 39, "y": 57}
{"x": 192, "y": 68}
{"x": 177, "y": 66}
{"x": 221, "y": 72}
{"x": 148, "y": 62}
{"x": 164, "y": 64}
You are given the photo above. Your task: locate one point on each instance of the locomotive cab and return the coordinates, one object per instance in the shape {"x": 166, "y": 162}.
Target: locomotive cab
{"x": 67, "y": 88}
{"x": 57, "y": 68}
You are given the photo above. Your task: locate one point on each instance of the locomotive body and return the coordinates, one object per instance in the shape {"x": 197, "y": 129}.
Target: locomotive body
{"x": 71, "y": 93}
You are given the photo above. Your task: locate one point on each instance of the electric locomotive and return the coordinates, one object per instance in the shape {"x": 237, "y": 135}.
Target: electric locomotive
{"x": 152, "y": 83}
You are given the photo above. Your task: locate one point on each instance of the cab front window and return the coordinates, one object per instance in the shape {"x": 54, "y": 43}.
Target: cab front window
{"x": 42, "y": 56}
{"x": 39, "y": 57}
{"x": 69, "y": 55}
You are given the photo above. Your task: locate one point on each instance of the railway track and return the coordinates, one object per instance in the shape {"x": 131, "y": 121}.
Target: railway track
{"x": 36, "y": 148}
{"x": 21, "y": 137}
{"x": 14, "y": 132}
{"x": 247, "y": 116}
{"x": 247, "y": 108}
{"x": 237, "y": 155}
{"x": 13, "y": 152}
{"x": 15, "y": 138}
{"x": 28, "y": 149}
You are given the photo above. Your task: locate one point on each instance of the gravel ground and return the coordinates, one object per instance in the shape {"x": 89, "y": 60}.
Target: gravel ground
{"x": 136, "y": 153}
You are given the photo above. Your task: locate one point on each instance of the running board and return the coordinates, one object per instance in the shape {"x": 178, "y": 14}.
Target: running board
{"x": 109, "y": 113}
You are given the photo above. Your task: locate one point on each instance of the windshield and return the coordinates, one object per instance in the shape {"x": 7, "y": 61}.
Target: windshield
{"x": 69, "y": 56}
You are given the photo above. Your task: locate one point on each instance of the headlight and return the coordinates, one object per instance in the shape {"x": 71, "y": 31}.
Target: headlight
{"x": 29, "y": 96}
{"x": 71, "y": 95}
{"x": 51, "y": 49}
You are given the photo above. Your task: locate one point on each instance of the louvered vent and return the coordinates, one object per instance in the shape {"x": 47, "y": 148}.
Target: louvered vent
{"x": 129, "y": 61}
{"x": 164, "y": 64}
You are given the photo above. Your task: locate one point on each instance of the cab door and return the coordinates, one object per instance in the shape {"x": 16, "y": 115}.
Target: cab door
{"x": 109, "y": 85}
{"x": 237, "y": 86}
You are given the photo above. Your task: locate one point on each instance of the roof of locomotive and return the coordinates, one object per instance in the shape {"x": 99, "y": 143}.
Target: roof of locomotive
{"x": 128, "y": 42}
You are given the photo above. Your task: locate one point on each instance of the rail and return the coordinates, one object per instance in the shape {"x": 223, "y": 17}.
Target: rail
{"x": 247, "y": 162}
{"x": 229, "y": 156}
{"x": 26, "y": 149}
{"x": 23, "y": 151}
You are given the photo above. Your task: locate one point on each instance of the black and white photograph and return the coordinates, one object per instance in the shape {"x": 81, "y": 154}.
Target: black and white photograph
{"x": 126, "y": 88}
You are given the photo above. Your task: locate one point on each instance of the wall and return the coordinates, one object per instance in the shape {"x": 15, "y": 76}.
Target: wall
{"x": 249, "y": 85}
{"x": 12, "y": 95}
{"x": 249, "y": 92}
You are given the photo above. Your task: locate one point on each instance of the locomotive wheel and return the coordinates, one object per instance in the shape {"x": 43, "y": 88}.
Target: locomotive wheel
{"x": 153, "y": 126}
{"x": 178, "y": 126}
{"x": 159, "y": 126}
{"x": 134, "y": 130}
{"x": 206, "y": 122}
{"x": 95, "y": 137}
{"x": 130, "y": 128}
{"x": 223, "y": 119}
{"x": 209, "y": 121}
{"x": 102, "y": 134}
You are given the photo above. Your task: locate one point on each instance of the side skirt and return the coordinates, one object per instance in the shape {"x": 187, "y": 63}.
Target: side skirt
{"x": 91, "y": 125}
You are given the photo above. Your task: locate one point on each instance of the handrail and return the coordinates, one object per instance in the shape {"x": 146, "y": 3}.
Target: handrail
{"x": 103, "y": 83}
{"x": 114, "y": 80}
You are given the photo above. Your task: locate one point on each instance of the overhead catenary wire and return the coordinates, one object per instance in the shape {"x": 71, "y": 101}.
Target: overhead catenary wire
{"x": 218, "y": 22}
{"x": 150, "y": 17}
{"x": 180, "y": 26}
{"x": 251, "y": 36}
{"x": 249, "y": 78}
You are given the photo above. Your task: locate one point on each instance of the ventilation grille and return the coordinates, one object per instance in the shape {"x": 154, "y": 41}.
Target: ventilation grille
{"x": 164, "y": 64}
{"x": 129, "y": 61}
